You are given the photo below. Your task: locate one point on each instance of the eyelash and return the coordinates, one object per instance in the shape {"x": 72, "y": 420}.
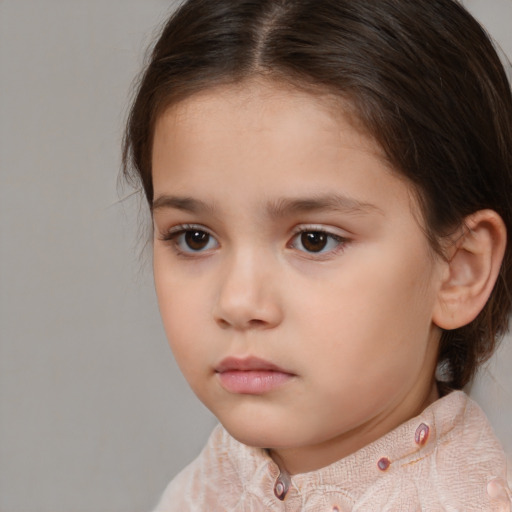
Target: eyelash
{"x": 173, "y": 238}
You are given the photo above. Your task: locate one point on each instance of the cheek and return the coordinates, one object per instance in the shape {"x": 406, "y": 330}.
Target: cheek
{"x": 181, "y": 311}
{"x": 374, "y": 320}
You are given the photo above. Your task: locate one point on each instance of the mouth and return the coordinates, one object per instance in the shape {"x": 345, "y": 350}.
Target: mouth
{"x": 251, "y": 375}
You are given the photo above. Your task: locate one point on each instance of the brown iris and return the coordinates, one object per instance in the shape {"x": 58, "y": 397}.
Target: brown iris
{"x": 197, "y": 240}
{"x": 314, "y": 241}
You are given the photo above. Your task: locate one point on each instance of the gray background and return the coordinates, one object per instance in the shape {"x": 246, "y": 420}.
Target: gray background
{"x": 94, "y": 415}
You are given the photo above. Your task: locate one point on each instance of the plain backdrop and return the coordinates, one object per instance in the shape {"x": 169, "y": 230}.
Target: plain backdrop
{"x": 94, "y": 415}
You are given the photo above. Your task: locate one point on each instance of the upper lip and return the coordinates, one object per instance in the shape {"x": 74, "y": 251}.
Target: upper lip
{"x": 247, "y": 364}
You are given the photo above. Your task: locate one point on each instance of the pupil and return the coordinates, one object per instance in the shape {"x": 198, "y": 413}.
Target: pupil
{"x": 314, "y": 241}
{"x": 197, "y": 240}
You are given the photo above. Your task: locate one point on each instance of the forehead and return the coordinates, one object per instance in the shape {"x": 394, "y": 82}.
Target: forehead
{"x": 270, "y": 137}
{"x": 275, "y": 111}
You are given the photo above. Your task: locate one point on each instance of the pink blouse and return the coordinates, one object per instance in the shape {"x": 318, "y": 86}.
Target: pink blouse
{"x": 445, "y": 459}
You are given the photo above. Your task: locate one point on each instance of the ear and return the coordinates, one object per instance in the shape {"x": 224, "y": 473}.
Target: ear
{"x": 471, "y": 270}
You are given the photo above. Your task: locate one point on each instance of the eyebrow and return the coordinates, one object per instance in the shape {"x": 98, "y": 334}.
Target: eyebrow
{"x": 277, "y": 208}
{"x": 187, "y": 204}
{"x": 336, "y": 202}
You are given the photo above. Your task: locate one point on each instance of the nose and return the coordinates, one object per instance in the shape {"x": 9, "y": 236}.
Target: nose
{"x": 248, "y": 294}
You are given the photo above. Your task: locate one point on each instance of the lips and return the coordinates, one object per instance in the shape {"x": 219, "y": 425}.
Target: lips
{"x": 247, "y": 364}
{"x": 251, "y": 375}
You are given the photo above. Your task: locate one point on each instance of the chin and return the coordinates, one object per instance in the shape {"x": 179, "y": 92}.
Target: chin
{"x": 259, "y": 433}
{"x": 251, "y": 435}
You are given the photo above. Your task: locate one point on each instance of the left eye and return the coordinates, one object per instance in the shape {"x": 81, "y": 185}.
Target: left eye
{"x": 316, "y": 241}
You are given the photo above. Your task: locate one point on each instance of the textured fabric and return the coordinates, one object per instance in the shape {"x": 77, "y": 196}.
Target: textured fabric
{"x": 446, "y": 459}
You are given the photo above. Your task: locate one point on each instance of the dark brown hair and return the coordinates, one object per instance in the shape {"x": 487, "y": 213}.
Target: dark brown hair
{"x": 422, "y": 76}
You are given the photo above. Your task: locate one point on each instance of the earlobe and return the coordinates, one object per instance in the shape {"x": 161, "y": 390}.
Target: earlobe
{"x": 471, "y": 270}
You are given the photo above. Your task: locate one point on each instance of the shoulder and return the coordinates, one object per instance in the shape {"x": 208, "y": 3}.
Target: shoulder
{"x": 218, "y": 479}
{"x": 191, "y": 487}
{"x": 466, "y": 440}
{"x": 463, "y": 466}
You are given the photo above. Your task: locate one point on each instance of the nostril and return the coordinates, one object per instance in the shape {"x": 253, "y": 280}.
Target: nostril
{"x": 250, "y": 324}
{"x": 224, "y": 324}
{"x": 256, "y": 323}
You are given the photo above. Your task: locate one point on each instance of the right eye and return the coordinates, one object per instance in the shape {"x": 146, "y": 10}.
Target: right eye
{"x": 191, "y": 240}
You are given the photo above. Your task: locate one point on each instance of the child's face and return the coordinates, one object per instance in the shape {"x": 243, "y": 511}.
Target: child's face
{"x": 281, "y": 235}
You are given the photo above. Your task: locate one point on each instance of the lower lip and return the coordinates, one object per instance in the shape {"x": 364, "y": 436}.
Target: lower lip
{"x": 252, "y": 382}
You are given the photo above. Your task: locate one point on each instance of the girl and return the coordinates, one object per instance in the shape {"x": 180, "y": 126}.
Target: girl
{"x": 330, "y": 188}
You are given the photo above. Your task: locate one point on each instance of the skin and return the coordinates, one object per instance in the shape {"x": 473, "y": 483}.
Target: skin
{"x": 251, "y": 168}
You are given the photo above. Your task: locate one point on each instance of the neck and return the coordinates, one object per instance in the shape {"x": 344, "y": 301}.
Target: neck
{"x": 314, "y": 457}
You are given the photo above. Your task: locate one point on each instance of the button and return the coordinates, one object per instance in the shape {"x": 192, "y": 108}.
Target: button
{"x": 383, "y": 464}
{"x": 497, "y": 489}
{"x": 421, "y": 435}
{"x": 282, "y": 485}
{"x": 335, "y": 508}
